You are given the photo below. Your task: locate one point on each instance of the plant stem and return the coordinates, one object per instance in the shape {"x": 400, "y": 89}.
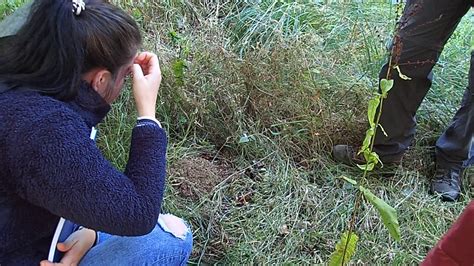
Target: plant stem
{"x": 372, "y": 142}
{"x": 359, "y": 193}
{"x": 352, "y": 224}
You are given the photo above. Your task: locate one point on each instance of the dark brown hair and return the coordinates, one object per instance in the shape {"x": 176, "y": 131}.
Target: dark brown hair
{"x": 54, "y": 48}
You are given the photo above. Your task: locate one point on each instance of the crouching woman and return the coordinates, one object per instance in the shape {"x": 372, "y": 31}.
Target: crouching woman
{"x": 58, "y": 76}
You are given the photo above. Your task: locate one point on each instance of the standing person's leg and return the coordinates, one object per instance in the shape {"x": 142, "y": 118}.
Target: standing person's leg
{"x": 425, "y": 27}
{"x": 470, "y": 161}
{"x": 453, "y": 147}
{"x": 163, "y": 246}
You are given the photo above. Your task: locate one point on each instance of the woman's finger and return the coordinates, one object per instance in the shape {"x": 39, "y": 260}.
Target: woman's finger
{"x": 68, "y": 244}
{"x": 47, "y": 263}
{"x": 154, "y": 65}
{"x": 137, "y": 71}
{"x": 140, "y": 57}
{"x": 143, "y": 58}
{"x": 72, "y": 257}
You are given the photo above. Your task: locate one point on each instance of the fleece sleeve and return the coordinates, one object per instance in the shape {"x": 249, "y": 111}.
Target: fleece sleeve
{"x": 56, "y": 166}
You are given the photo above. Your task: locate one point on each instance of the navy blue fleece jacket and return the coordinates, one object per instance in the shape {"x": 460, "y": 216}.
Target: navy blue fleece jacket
{"x": 49, "y": 168}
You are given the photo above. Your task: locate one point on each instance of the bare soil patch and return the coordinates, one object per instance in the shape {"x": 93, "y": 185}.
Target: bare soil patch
{"x": 197, "y": 176}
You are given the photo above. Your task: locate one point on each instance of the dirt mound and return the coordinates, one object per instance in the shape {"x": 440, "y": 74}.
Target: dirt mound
{"x": 196, "y": 176}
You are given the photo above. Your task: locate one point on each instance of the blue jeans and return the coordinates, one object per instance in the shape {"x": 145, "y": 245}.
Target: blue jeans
{"x": 156, "y": 248}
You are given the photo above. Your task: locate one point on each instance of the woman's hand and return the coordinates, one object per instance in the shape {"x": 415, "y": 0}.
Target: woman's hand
{"x": 74, "y": 248}
{"x": 146, "y": 83}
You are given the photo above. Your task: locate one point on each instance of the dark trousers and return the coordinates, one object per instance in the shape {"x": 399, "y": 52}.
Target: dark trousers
{"x": 426, "y": 25}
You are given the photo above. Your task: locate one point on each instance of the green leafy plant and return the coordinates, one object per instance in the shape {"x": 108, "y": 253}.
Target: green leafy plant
{"x": 387, "y": 213}
{"x": 179, "y": 64}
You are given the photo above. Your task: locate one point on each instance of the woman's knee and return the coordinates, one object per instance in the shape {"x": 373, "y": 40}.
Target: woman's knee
{"x": 180, "y": 231}
{"x": 173, "y": 225}
{"x": 159, "y": 247}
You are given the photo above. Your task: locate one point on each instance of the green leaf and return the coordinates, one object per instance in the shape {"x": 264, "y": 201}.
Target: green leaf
{"x": 368, "y": 138}
{"x": 386, "y": 86}
{"x": 387, "y": 212}
{"x": 175, "y": 37}
{"x": 369, "y": 166}
{"x": 372, "y": 110}
{"x": 350, "y": 180}
{"x": 178, "y": 67}
{"x": 137, "y": 14}
{"x": 371, "y": 157}
{"x": 400, "y": 74}
{"x": 338, "y": 257}
{"x": 182, "y": 119}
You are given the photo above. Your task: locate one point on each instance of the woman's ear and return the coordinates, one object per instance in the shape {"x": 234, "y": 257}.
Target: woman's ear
{"x": 101, "y": 81}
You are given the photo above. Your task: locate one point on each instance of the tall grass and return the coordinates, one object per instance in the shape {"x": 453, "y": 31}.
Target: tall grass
{"x": 257, "y": 24}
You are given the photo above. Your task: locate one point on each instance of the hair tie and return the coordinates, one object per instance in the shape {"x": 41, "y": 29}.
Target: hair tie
{"x": 78, "y": 6}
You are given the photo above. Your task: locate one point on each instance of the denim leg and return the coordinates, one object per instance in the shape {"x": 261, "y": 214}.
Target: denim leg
{"x": 156, "y": 248}
{"x": 426, "y": 25}
{"x": 453, "y": 147}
